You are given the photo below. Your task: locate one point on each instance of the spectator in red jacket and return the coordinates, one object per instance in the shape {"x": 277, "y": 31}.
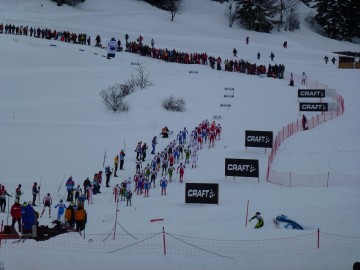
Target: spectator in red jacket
{"x": 15, "y": 212}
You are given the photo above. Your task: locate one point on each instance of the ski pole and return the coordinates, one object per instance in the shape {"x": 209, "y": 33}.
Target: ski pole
{"x": 61, "y": 183}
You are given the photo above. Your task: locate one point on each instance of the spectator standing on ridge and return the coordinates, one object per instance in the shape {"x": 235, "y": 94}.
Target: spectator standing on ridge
{"x": 285, "y": 44}
{"x": 304, "y": 122}
{"x": 333, "y": 60}
{"x": 326, "y": 59}
{"x": 303, "y": 78}
{"x": 247, "y": 40}
{"x": 272, "y": 56}
{"x": 122, "y": 159}
{"x": 234, "y": 52}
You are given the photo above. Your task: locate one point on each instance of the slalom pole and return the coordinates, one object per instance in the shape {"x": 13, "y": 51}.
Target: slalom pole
{"x": 247, "y": 213}
{"x": 116, "y": 216}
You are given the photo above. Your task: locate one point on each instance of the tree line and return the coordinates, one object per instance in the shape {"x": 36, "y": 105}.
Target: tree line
{"x": 338, "y": 19}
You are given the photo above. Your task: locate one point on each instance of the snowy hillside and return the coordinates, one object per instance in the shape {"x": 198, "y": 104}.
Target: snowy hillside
{"x": 54, "y": 125}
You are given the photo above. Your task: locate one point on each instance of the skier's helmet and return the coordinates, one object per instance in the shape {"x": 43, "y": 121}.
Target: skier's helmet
{"x": 48, "y": 194}
{"x": 257, "y": 213}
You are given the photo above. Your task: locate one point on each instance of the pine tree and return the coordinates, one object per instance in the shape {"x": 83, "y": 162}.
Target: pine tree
{"x": 258, "y": 14}
{"x": 334, "y": 16}
{"x": 354, "y": 23}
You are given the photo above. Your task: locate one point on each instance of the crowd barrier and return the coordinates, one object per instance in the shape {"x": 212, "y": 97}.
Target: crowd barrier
{"x": 166, "y": 243}
{"x": 294, "y": 179}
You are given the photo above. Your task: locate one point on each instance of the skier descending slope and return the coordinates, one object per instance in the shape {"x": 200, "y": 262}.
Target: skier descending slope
{"x": 181, "y": 170}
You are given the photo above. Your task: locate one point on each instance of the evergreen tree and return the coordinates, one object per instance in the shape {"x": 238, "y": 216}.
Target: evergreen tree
{"x": 258, "y": 15}
{"x": 354, "y": 22}
{"x": 334, "y": 16}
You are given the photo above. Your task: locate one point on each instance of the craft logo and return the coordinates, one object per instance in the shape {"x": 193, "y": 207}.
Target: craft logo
{"x": 201, "y": 193}
{"x": 311, "y": 93}
{"x": 262, "y": 139}
{"x": 241, "y": 167}
{"x": 313, "y": 107}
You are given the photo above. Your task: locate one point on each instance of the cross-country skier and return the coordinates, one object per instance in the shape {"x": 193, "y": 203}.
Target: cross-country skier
{"x": 128, "y": 198}
{"x": 108, "y": 174}
{"x": 212, "y": 136}
{"x": 116, "y": 192}
{"x": 138, "y": 166}
{"x": 116, "y": 163}
{"x": 47, "y": 201}
{"x": 122, "y": 159}
{"x": 176, "y": 154}
{"x": 260, "y": 220}
{"x": 138, "y": 150}
{"x": 123, "y": 190}
{"x": 187, "y": 155}
{"x": 164, "y": 164}
{"x": 35, "y": 191}
{"x": 61, "y": 209}
{"x": 179, "y": 137}
{"x": 128, "y": 185}
{"x": 194, "y": 158}
{"x": 147, "y": 171}
{"x": 181, "y": 171}
{"x": 163, "y": 184}
{"x": 153, "y": 177}
{"x": 217, "y": 132}
{"x": 18, "y": 193}
{"x": 153, "y": 144}
{"x": 171, "y": 170}
{"x": 3, "y": 194}
{"x": 146, "y": 188}
{"x": 144, "y": 148}
{"x": 184, "y": 132}
{"x": 70, "y": 189}
{"x": 78, "y": 193}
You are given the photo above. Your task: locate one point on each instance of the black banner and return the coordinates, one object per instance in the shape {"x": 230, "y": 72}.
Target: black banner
{"x": 311, "y": 93}
{"x": 262, "y": 139}
{"x": 313, "y": 107}
{"x": 202, "y": 193}
{"x": 241, "y": 167}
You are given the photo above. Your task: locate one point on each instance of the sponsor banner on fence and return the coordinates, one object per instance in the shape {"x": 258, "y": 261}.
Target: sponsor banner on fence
{"x": 311, "y": 93}
{"x": 313, "y": 107}
{"x": 241, "y": 167}
{"x": 262, "y": 139}
{"x": 202, "y": 193}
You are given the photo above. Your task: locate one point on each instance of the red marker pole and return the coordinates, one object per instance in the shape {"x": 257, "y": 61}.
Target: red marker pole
{"x": 247, "y": 213}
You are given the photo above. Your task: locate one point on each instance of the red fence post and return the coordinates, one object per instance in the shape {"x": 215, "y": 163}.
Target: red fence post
{"x": 164, "y": 241}
{"x": 247, "y": 213}
{"x": 1, "y": 229}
